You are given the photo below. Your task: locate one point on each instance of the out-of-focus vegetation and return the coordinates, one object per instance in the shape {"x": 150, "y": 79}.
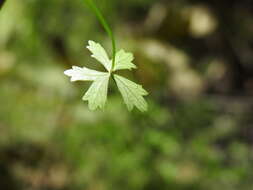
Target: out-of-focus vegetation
{"x": 194, "y": 57}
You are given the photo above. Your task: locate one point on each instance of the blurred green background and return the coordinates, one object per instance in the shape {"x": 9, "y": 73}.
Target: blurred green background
{"x": 194, "y": 57}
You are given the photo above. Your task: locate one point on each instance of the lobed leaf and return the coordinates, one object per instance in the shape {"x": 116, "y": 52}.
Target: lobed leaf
{"x": 83, "y": 74}
{"x": 123, "y": 60}
{"x": 132, "y": 93}
{"x": 97, "y": 93}
{"x": 99, "y": 53}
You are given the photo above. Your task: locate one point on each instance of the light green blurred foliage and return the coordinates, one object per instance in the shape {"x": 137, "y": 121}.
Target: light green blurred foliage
{"x": 187, "y": 145}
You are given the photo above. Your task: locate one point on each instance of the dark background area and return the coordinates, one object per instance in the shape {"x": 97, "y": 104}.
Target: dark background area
{"x": 194, "y": 57}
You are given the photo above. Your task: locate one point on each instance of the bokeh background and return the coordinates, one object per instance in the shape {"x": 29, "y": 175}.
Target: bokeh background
{"x": 194, "y": 57}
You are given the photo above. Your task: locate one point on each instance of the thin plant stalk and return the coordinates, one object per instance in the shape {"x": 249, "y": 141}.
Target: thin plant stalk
{"x": 105, "y": 25}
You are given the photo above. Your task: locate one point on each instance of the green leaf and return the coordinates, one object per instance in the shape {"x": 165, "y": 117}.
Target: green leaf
{"x": 97, "y": 93}
{"x": 132, "y": 93}
{"x": 123, "y": 60}
{"x": 99, "y": 53}
{"x": 83, "y": 74}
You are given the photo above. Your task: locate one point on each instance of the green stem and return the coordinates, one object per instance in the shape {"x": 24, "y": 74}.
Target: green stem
{"x": 106, "y": 26}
